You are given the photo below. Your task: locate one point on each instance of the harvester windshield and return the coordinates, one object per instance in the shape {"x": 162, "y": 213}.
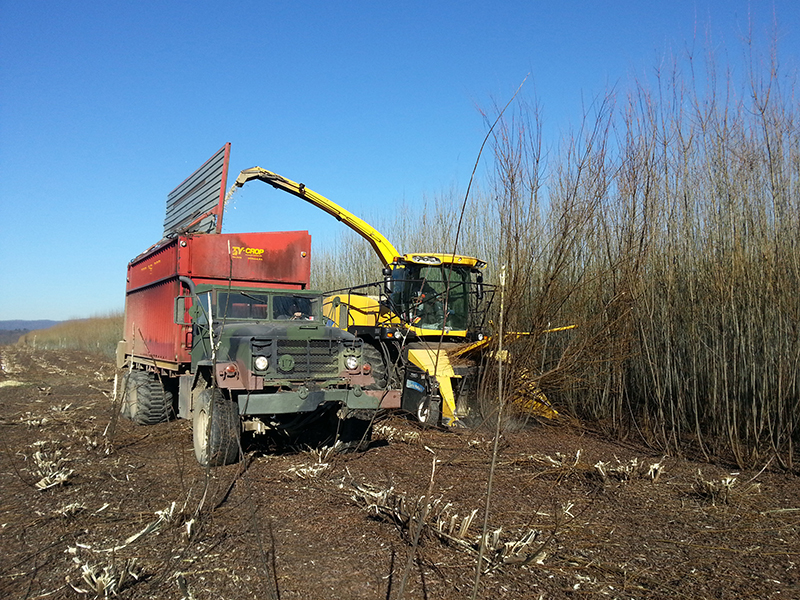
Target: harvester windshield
{"x": 420, "y": 295}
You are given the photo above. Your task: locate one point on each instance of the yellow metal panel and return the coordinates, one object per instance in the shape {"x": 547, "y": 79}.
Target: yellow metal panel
{"x": 437, "y": 364}
{"x": 444, "y": 259}
{"x": 359, "y": 311}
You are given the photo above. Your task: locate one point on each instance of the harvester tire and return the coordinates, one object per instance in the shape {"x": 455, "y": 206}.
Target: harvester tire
{"x": 429, "y": 411}
{"x": 380, "y": 373}
{"x": 216, "y": 429}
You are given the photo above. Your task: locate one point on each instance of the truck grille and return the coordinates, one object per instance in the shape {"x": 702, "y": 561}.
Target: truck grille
{"x": 312, "y": 358}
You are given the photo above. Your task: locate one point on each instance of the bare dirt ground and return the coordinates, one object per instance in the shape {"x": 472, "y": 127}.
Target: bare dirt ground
{"x": 93, "y": 506}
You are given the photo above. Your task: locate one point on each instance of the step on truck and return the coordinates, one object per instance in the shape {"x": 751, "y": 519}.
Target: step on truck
{"x": 222, "y": 329}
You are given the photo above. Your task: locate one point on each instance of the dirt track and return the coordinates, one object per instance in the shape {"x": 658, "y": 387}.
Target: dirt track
{"x": 593, "y": 519}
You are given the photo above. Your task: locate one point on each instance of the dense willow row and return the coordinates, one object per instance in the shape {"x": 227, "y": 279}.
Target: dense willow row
{"x": 666, "y": 227}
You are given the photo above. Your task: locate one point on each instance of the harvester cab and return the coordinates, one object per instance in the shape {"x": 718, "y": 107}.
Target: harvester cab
{"x": 438, "y": 294}
{"x": 426, "y": 306}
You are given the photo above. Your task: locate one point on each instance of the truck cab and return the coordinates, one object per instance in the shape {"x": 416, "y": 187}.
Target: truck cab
{"x": 272, "y": 352}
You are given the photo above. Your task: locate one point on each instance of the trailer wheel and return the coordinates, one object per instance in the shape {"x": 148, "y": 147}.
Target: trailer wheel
{"x": 380, "y": 373}
{"x": 216, "y": 429}
{"x": 136, "y": 386}
{"x": 145, "y": 401}
{"x": 155, "y": 402}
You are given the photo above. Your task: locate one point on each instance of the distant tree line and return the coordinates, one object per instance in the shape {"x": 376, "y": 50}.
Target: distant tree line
{"x": 98, "y": 334}
{"x": 10, "y": 336}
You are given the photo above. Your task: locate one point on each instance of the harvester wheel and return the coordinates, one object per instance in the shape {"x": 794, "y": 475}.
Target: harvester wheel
{"x": 374, "y": 357}
{"x": 216, "y": 429}
{"x": 429, "y": 410}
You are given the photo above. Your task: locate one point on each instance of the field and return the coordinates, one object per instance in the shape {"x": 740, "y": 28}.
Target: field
{"x": 93, "y": 505}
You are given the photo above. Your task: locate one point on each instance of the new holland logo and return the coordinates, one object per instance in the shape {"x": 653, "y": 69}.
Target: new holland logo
{"x": 411, "y": 384}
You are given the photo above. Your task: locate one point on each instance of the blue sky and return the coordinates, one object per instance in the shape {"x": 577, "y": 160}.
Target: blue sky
{"x": 105, "y": 107}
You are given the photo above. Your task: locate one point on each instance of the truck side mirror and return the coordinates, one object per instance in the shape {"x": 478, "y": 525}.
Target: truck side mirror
{"x": 479, "y": 286}
{"x": 180, "y": 311}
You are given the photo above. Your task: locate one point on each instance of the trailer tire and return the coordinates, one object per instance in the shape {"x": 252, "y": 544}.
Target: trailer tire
{"x": 155, "y": 403}
{"x": 129, "y": 389}
{"x": 145, "y": 401}
{"x": 216, "y": 429}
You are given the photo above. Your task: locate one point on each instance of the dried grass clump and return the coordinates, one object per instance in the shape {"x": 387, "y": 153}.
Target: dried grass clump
{"x": 49, "y": 466}
{"x": 437, "y": 517}
{"x": 30, "y": 420}
{"x": 70, "y": 510}
{"x": 632, "y": 469}
{"x": 607, "y": 471}
{"x": 721, "y": 491}
{"x": 393, "y": 434}
{"x": 322, "y": 462}
{"x": 106, "y": 580}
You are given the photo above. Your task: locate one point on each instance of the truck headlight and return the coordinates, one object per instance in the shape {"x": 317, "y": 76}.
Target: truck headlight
{"x": 351, "y": 362}
{"x": 261, "y": 363}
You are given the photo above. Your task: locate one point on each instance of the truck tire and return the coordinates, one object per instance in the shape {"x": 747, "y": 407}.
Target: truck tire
{"x": 145, "y": 401}
{"x": 380, "y": 373}
{"x": 216, "y": 429}
{"x": 354, "y": 433}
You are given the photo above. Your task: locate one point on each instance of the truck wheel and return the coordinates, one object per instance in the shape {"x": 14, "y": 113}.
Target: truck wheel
{"x": 216, "y": 429}
{"x": 145, "y": 400}
{"x": 372, "y": 355}
{"x": 354, "y": 434}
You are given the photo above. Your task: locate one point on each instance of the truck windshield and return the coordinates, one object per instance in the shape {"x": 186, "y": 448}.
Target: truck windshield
{"x": 242, "y": 305}
{"x": 300, "y": 308}
{"x": 420, "y": 293}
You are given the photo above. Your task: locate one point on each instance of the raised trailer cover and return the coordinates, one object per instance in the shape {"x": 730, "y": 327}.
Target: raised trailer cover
{"x": 197, "y": 204}
{"x": 262, "y": 260}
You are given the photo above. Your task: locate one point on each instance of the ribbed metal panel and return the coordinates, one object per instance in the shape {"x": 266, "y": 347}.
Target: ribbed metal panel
{"x": 196, "y": 205}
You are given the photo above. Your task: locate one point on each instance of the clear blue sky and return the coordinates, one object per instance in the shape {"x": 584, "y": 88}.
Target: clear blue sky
{"x": 106, "y": 106}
